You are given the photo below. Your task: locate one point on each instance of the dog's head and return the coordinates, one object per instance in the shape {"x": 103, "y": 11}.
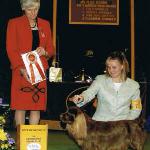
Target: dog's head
{"x": 75, "y": 123}
{"x": 69, "y": 116}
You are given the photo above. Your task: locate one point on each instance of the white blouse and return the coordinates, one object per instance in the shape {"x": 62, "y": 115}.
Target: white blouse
{"x": 117, "y": 86}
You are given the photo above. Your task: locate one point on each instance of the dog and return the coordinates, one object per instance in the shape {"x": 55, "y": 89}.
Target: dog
{"x": 99, "y": 135}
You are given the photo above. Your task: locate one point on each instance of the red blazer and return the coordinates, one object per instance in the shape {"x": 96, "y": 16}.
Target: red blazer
{"x": 19, "y": 40}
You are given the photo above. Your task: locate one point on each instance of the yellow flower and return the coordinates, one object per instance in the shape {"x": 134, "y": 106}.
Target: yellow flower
{"x": 2, "y": 120}
{"x": 6, "y": 146}
{"x": 2, "y": 135}
{"x": 1, "y": 117}
{"x": 2, "y": 146}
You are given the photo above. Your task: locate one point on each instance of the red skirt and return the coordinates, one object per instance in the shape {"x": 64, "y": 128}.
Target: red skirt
{"x": 25, "y": 96}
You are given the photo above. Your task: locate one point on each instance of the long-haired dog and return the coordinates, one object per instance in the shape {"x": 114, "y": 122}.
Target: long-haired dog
{"x": 99, "y": 135}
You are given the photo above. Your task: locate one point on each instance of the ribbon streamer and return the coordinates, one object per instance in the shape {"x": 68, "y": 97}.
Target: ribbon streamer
{"x": 33, "y": 60}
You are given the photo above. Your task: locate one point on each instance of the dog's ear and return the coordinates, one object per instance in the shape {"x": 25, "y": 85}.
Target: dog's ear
{"x": 63, "y": 125}
{"x": 71, "y": 118}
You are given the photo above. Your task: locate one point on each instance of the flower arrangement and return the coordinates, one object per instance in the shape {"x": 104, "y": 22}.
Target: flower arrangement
{"x": 6, "y": 141}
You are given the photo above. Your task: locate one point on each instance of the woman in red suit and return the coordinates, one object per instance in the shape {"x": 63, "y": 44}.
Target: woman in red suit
{"x": 25, "y": 34}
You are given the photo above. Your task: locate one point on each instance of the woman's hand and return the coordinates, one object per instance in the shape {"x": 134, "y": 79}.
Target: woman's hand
{"x": 41, "y": 51}
{"x": 24, "y": 73}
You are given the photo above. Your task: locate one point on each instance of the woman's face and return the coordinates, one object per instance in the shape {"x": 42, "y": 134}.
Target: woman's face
{"x": 114, "y": 68}
{"x": 31, "y": 12}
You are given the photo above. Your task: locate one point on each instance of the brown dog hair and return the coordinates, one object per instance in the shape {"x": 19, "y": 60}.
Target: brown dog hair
{"x": 99, "y": 135}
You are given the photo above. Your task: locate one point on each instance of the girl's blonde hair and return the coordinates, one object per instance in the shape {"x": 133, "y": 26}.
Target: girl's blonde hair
{"x": 29, "y": 3}
{"x": 120, "y": 56}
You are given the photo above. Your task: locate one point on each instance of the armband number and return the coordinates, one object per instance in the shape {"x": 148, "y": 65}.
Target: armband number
{"x": 136, "y": 104}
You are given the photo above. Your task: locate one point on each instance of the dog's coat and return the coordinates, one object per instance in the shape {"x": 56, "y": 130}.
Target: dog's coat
{"x": 99, "y": 135}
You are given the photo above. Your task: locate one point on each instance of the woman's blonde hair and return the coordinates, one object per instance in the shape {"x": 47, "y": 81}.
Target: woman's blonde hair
{"x": 29, "y": 3}
{"x": 120, "y": 56}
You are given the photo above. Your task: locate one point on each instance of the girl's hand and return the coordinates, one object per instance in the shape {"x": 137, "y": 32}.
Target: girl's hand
{"x": 76, "y": 98}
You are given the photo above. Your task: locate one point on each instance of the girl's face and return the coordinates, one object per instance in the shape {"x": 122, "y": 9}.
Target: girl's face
{"x": 31, "y": 12}
{"x": 114, "y": 68}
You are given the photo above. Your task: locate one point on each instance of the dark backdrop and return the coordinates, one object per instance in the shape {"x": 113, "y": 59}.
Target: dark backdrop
{"x": 73, "y": 41}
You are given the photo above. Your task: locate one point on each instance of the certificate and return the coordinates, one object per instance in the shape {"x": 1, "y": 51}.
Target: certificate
{"x": 34, "y": 67}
